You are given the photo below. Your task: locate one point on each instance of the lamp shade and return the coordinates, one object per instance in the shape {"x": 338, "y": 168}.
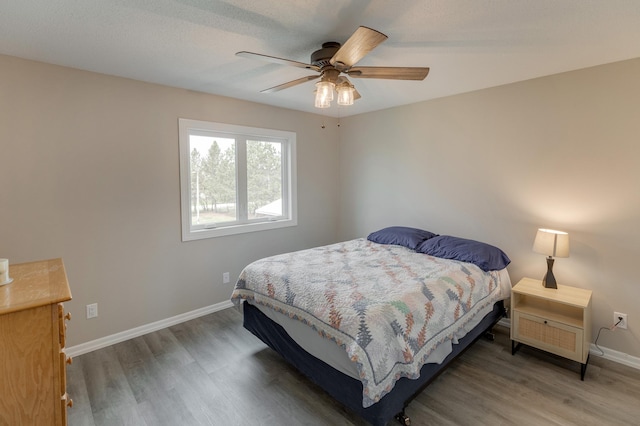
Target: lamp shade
{"x": 322, "y": 102}
{"x": 324, "y": 94}
{"x": 345, "y": 93}
{"x": 551, "y": 243}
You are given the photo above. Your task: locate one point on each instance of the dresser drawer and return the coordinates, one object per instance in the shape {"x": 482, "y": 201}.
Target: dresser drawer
{"x": 64, "y": 361}
{"x": 62, "y": 324}
{"x": 555, "y": 337}
{"x": 65, "y": 402}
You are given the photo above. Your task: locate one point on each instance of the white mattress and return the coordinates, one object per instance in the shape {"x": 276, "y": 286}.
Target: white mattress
{"x": 337, "y": 357}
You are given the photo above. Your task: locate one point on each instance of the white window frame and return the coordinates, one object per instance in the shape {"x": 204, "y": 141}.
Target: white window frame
{"x": 289, "y": 217}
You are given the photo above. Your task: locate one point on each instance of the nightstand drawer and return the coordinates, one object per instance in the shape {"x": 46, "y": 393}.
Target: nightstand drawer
{"x": 558, "y": 338}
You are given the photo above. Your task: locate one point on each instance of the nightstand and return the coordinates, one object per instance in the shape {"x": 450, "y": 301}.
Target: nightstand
{"x": 554, "y": 320}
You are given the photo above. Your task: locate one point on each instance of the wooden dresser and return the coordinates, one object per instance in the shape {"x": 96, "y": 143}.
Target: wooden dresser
{"x": 32, "y": 340}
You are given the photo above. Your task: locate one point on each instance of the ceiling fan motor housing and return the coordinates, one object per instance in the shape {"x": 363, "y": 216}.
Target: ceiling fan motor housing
{"x": 321, "y": 58}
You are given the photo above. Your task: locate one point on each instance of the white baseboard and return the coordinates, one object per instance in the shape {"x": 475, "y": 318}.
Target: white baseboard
{"x": 505, "y": 322}
{"x": 606, "y": 353}
{"x": 615, "y": 356}
{"x": 93, "y": 345}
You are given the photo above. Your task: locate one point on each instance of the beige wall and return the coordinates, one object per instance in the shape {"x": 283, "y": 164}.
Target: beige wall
{"x": 561, "y": 152}
{"x": 89, "y": 172}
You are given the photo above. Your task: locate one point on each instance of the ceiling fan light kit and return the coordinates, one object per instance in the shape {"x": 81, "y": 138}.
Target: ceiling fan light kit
{"x": 333, "y": 60}
{"x": 345, "y": 93}
{"x": 324, "y": 94}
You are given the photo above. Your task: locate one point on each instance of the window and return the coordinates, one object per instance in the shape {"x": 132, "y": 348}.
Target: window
{"x": 235, "y": 179}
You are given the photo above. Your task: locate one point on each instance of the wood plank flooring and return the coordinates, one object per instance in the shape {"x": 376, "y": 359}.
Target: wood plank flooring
{"x": 211, "y": 371}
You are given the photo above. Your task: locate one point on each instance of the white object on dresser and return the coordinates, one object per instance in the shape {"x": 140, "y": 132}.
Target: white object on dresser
{"x": 4, "y": 272}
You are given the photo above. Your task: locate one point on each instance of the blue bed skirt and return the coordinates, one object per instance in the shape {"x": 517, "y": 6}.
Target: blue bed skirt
{"x": 348, "y": 390}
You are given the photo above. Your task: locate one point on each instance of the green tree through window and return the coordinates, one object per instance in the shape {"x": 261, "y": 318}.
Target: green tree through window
{"x": 264, "y": 175}
{"x": 235, "y": 180}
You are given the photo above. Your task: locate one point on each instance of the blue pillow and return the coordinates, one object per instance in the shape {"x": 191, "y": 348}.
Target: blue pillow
{"x": 485, "y": 256}
{"x": 401, "y": 236}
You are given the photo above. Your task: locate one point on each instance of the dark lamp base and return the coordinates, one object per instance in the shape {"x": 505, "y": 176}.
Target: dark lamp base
{"x": 549, "y": 281}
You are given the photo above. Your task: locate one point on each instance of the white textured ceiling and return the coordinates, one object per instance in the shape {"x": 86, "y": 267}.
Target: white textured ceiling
{"x": 468, "y": 44}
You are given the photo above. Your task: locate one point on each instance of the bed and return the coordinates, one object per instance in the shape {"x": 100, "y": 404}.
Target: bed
{"x": 372, "y": 321}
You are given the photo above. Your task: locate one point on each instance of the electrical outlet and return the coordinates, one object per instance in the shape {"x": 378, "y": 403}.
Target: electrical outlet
{"x": 225, "y": 278}
{"x": 616, "y": 318}
{"x": 92, "y": 310}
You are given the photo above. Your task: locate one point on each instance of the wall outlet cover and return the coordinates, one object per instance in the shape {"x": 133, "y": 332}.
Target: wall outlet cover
{"x": 92, "y": 310}
{"x": 616, "y": 318}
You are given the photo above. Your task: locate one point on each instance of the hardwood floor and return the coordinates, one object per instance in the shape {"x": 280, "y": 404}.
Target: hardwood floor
{"x": 211, "y": 371}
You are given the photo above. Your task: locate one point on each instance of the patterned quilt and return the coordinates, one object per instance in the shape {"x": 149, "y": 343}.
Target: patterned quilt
{"x": 387, "y": 306}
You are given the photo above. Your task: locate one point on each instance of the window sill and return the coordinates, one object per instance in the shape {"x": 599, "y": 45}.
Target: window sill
{"x": 191, "y": 235}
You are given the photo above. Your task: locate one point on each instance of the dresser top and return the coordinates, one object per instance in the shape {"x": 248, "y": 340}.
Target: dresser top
{"x": 34, "y": 284}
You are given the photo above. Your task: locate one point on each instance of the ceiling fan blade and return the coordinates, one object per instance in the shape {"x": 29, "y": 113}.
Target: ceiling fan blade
{"x": 389, "y": 73}
{"x": 361, "y": 42}
{"x": 290, "y": 84}
{"x": 275, "y": 60}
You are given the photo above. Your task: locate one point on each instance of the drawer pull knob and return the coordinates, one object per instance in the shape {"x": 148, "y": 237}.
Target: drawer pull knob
{"x": 68, "y": 316}
{"x": 69, "y": 360}
{"x": 70, "y": 403}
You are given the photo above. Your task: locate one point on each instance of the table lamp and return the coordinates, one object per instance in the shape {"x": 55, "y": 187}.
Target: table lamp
{"x": 553, "y": 244}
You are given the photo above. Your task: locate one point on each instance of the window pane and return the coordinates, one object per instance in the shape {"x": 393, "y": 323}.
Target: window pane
{"x": 264, "y": 179}
{"x": 213, "y": 180}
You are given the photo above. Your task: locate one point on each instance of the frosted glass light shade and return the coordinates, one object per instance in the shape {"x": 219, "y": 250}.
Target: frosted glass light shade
{"x": 345, "y": 94}
{"x": 324, "y": 94}
{"x": 322, "y": 102}
{"x": 551, "y": 243}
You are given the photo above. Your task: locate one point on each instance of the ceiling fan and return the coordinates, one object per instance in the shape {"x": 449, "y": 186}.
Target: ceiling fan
{"x": 334, "y": 59}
